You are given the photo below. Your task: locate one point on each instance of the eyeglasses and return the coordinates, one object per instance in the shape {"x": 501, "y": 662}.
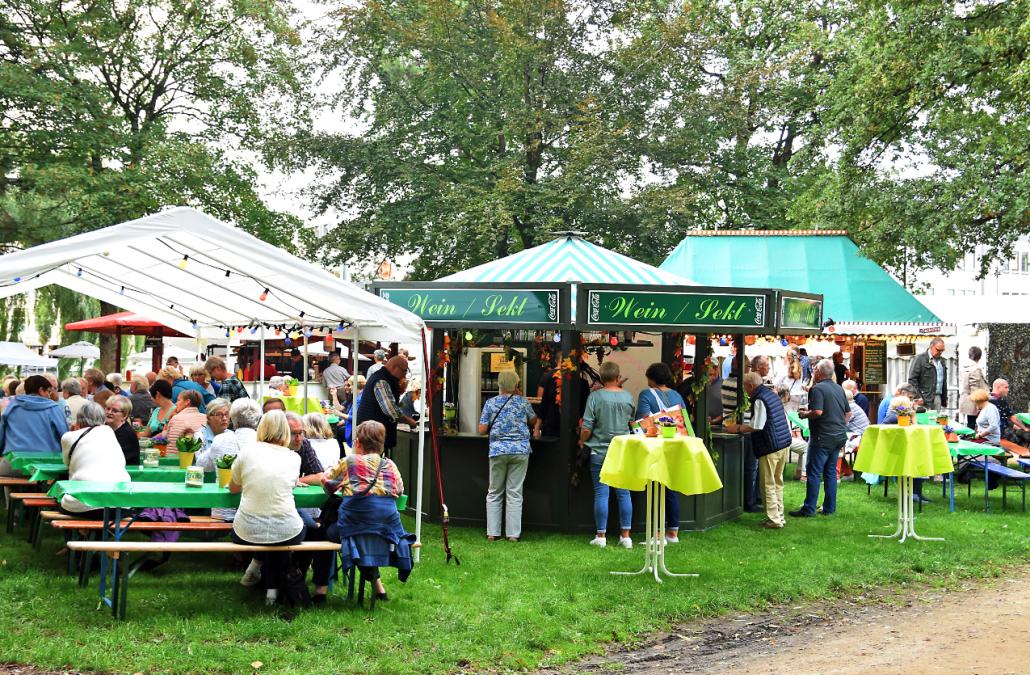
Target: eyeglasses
{"x": 224, "y": 414}
{"x": 115, "y": 411}
{"x": 296, "y": 433}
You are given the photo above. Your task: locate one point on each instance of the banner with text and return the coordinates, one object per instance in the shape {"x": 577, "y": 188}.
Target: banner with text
{"x": 675, "y": 310}
{"x": 462, "y": 306}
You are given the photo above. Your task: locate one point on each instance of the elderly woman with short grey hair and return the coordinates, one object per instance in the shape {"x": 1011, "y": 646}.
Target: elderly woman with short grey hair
{"x": 244, "y": 415}
{"x": 507, "y": 418}
{"x": 91, "y": 452}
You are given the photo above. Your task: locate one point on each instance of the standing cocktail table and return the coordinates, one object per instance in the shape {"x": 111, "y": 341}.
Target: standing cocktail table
{"x": 637, "y": 462}
{"x": 905, "y": 452}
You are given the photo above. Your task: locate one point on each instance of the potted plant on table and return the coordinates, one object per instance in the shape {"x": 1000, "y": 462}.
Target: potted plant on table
{"x": 187, "y": 446}
{"x": 906, "y": 414}
{"x": 667, "y": 426}
{"x": 224, "y": 468}
{"x": 161, "y": 443}
{"x": 949, "y": 434}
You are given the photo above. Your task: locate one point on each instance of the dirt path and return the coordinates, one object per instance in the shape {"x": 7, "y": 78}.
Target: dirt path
{"x": 982, "y": 628}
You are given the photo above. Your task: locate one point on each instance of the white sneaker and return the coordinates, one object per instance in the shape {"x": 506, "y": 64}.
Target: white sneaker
{"x": 271, "y": 595}
{"x": 252, "y": 576}
{"x": 672, "y": 540}
{"x": 599, "y": 542}
{"x": 626, "y": 542}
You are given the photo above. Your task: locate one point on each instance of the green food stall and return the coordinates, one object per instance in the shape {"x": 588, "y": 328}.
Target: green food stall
{"x": 569, "y": 315}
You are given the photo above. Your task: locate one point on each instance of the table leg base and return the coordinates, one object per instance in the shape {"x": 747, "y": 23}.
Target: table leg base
{"x": 654, "y": 544}
{"x": 906, "y": 516}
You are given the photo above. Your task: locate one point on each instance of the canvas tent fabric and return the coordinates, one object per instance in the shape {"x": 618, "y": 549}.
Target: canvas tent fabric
{"x": 139, "y": 266}
{"x": 570, "y": 258}
{"x": 856, "y": 291}
{"x": 17, "y": 354}
{"x": 77, "y": 350}
{"x": 125, "y": 323}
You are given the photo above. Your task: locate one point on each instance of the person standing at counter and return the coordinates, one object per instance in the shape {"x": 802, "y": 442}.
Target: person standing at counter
{"x": 232, "y": 389}
{"x": 660, "y": 396}
{"x": 608, "y": 413}
{"x": 381, "y": 404}
{"x": 334, "y": 374}
{"x": 506, "y": 418}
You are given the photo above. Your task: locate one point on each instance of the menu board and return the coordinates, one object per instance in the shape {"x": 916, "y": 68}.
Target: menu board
{"x": 875, "y": 362}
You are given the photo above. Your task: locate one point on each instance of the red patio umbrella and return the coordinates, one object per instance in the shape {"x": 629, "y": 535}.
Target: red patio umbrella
{"x": 128, "y": 323}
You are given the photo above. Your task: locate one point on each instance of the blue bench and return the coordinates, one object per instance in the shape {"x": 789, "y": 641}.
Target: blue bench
{"x": 1025, "y": 463}
{"x": 1005, "y": 474}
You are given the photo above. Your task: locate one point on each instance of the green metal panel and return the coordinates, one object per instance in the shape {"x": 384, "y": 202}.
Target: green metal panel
{"x": 854, "y": 288}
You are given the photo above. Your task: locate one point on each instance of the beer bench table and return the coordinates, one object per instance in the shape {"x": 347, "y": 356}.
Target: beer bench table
{"x": 114, "y": 498}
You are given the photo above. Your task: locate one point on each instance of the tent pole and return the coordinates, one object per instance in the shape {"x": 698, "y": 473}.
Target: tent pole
{"x": 261, "y": 371}
{"x": 354, "y": 388}
{"x": 427, "y": 393}
{"x": 305, "y": 332}
{"x": 118, "y": 349}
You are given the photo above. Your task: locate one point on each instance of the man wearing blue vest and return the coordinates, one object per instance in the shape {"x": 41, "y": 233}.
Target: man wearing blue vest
{"x": 770, "y": 441}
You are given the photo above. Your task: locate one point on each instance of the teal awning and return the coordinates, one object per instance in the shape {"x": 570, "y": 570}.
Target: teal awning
{"x": 854, "y": 288}
{"x": 570, "y": 258}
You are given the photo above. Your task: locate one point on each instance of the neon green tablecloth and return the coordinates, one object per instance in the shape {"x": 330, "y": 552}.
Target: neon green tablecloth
{"x": 890, "y": 450}
{"x": 681, "y": 464}
{"x": 971, "y": 449}
{"x": 929, "y": 418}
{"x": 296, "y": 403}
{"x": 799, "y": 423}
{"x": 161, "y": 474}
{"x": 1023, "y": 417}
{"x": 167, "y": 495}
{"x": 21, "y": 460}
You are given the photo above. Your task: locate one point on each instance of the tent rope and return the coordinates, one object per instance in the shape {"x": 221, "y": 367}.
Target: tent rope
{"x": 445, "y": 516}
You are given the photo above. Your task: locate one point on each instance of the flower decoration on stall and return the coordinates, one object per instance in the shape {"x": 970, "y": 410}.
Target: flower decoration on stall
{"x": 742, "y": 407}
{"x": 701, "y": 377}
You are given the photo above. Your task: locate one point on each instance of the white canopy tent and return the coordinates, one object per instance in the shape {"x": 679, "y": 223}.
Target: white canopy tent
{"x": 17, "y": 354}
{"x": 77, "y": 350}
{"x": 204, "y": 277}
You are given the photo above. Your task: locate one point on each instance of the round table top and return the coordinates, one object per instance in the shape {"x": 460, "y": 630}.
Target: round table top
{"x": 681, "y": 463}
{"x": 891, "y": 450}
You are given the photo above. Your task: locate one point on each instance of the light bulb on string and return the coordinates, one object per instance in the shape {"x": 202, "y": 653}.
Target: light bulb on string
{"x": 468, "y": 336}
{"x": 122, "y": 291}
{"x": 253, "y": 329}
{"x": 182, "y": 263}
{"x": 239, "y": 329}
{"x": 613, "y": 340}
{"x": 783, "y": 341}
{"x": 557, "y": 337}
{"x": 193, "y": 323}
{"x": 79, "y": 273}
{"x": 227, "y": 273}
{"x": 264, "y": 295}
{"x": 17, "y": 279}
{"x": 226, "y": 332}
{"x": 278, "y": 331}
{"x": 307, "y": 332}
{"x": 287, "y": 341}
{"x": 340, "y": 326}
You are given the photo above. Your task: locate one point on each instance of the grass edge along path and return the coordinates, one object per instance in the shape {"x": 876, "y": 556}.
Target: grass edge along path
{"x": 545, "y": 601}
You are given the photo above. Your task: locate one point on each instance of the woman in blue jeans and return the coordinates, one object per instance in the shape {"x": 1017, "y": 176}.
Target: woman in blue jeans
{"x": 660, "y": 396}
{"x": 608, "y": 414}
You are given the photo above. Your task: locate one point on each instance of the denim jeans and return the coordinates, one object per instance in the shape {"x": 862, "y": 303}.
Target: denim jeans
{"x": 601, "y": 499}
{"x": 752, "y": 488}
{"x": 821, "y": 468}
{"x": 672, "y": 510}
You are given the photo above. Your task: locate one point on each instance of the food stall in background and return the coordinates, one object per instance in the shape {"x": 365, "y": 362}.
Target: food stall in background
{"x": 479, "y": 328}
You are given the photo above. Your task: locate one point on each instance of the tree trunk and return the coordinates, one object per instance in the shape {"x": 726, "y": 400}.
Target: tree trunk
{"x": 108, "y": 343}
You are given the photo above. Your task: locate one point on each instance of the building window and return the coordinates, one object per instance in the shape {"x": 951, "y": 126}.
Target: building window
{"x": 1024, "y": 263}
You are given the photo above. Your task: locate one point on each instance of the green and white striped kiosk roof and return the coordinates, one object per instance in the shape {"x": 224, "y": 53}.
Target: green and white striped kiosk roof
{"x": 569, "y": 258}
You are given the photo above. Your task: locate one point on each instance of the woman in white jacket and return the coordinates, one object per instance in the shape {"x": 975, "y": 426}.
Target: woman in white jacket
{"x": 91, "y": 452}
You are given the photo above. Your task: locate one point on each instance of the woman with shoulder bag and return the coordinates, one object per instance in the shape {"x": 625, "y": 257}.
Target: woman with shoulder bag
{"x": 660, "y": 396}
{"x": 507, "y": 418}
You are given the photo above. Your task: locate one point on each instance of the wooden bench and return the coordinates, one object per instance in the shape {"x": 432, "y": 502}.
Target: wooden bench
{"x": 24, "y": 501}
{"x": 15, "y": 481}
{"x": 118, "y": 552}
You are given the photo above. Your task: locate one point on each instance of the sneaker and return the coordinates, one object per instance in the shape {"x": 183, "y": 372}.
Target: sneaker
{"x": 252, "y": 577}
{"x": 672, "y": 540}
{"x": 271, "y": 595}
{"x": 599, "y": 542}
{"x": 626, "y": 542}
{"x": 770, "y": 525}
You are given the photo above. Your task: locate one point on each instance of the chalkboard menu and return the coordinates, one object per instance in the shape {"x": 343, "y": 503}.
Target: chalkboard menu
{"x": 875, "y": 362}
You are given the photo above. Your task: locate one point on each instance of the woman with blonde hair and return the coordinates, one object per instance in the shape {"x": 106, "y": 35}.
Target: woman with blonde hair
{"x": 265, "y": 476}
{"x": 322, "y": 439}
{"x": 793, "y": 381}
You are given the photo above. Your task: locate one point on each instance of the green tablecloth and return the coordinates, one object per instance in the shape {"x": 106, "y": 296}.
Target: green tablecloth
{"x": 929, "y": 418}
{"x": 890, "y": 450}
{"x": 681, "y": 464}
{"x": 296, "y": 403}
{"x": 971, "y": 449}
{"x": 1023, "y": 417}
{"x": 161, "y": 474}
{"x": 167, "y": 495}
{"x": 20, "y": 460}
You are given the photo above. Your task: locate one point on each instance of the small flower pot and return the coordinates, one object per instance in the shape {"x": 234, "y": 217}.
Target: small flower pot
{"x": 668, "y": 432}
{"x": 942, "y": 420}
{"x": 904, "y": 421}
{"x": 185, "y": 459}
{"x": 652, "y": 432}
{"x": 163, "y": 449}
{"x": 951, "y": 438}
{"x": 224, "y": 476}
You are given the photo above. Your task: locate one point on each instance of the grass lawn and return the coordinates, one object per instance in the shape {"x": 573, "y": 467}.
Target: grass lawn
{"x": 543, "y": 601}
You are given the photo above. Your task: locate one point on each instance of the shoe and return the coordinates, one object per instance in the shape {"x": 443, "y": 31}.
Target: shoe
{"x": 599, "y": 542}
{"x": 626, "y": 542}
{"x": 770, "y": 525}
{"x": 271, "y": 595}
{"x": 804, "y": 478}
{"x": 382, "y": 597}
{"x": 490, "y": 537}
{"x": 824, "y": 513}
{"x": 920, "y": 498}
{"x": 801, "y": 514}
{"x": 319, "y": 600}
{"x": 252, "y": 577}
{"x": 513, "y": 540}
{"x": 672, "y": 540}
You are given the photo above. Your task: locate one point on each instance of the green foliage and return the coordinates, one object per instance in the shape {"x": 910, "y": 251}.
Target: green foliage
{"x": 225, "y": 461}
{"x": 546, "y": 601}
{"x": 930, "y": 112}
